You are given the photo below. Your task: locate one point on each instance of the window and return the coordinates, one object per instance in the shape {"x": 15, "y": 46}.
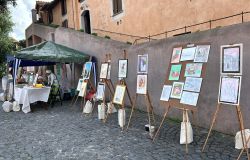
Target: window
{"x": 50, "y": 16}
{"x": 65, "y": 23}
{"x": 64, "y": 7}
{"x": 81, "y": 0}
{"x": 117, "y": 7}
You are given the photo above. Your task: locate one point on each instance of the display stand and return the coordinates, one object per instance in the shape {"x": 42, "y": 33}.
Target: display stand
{"x": 242, "y": 150}
{"x": 121, "y": 82}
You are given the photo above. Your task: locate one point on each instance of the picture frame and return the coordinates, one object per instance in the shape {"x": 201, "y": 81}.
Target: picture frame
{"x": 104, "y": 71}
{"x": 175, "y": 72}
{"x": 100, "y": 91}
{"x": 80, "y": 81}
{"x": 193, "y": 84}
{"x": 176, "y": 55}
{"x": 83, "y": 89}
{"x": 87, "y": 70}
{"x": 187, "y": 54}
{"x": 166, "y": 91}
{"x": 142, "y": 64}
{"x": 119, "y": 94}
{"x": 177, "y": 89}
{"x": 231, "y": 59}
{"x": 122, "y": 68}
{"x": 109, "y": 72}
{"x": 202, "y": 53}
{"x": 141, "y": 87}
{"x": 189, "y": 98}
{"x": 229, "y": 92}
{"x": 193, "y": 70}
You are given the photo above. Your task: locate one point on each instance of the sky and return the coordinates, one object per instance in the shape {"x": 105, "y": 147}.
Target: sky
{"x": 21, "y": 17}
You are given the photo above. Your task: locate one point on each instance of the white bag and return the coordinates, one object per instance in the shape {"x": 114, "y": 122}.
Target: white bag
{"x": 16, "y": 107}
{"x": 121, "y": 117}
{"x": 88, "y": 107}
{"x": 186, "y": 138}
{"x": 238, "y": 139}
{"x": 111, "y": 108}
{"x": 7, "y": 106}
{"x": 101, "y": 111}
{"x": 2, "y": 97}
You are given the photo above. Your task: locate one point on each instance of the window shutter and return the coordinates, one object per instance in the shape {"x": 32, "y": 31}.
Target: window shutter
{"x": 115, "y": 8}
{"x": 119, "y": 6}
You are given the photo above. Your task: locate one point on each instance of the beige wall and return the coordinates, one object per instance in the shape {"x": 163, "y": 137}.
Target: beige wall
{"x": 57, "y": 14}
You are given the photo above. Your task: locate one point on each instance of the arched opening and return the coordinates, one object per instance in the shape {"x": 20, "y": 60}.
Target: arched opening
{"x": 85, "y": 21}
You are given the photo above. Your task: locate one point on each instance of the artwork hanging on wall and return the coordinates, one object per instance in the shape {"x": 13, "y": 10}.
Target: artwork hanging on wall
{"x": 188, "y": 54}
{"x": 231, "y": 59}
{"x": 165, "y": 94}
{"x": 141, "y": 87}
{"x": 142, "y": 64}
{"x": 230, "y": 90}
{"x": 176, "y": 55}
{"x": 193, "y": 84}
{"x": 119, "y": 94}
{"x": 109, "y": 72}
{"x": 189, "y": 98}
{"x": 104, "y": 70}
{"x": 202, "y": 53}
{"x": 87, "y": 70}
{"x": 175, "y": 72}
{"x": 123, "y": 68}
{"x": 177, "y": 90}
{"x": 100, "y": 91}
{"x": 193, "y": 70}
{"x": 80, "y": 81}
{"x": 83, "y": 89}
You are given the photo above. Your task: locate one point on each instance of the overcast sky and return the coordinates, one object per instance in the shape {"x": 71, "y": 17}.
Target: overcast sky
{"x": 21, "y": 16}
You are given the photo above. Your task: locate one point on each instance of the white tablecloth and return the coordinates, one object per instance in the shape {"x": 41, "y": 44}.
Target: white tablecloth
{"x": 28, "y": 95}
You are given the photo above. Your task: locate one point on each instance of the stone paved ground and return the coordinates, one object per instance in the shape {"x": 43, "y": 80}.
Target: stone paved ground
{"x": 64, "y": 133}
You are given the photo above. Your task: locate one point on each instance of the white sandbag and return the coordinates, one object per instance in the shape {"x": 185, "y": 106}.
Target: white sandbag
{"x": 111, "y": 108}
{"x": 88, "y": 107}
{"x": 10, "y": 93}
{"x": 2, "y": 97}
{"x": 7, "y": 106}
{"x": 16, "y": 106}
{"x": 4, "y": 83}
{"x": 101, "y": 111}
{"x": 238, "y": 139}
{"x": 186, "y": 138}
{"x": 121, "y": 117}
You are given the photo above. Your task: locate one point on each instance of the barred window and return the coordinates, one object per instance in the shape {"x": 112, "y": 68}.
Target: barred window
{"x": 117, "y": 7}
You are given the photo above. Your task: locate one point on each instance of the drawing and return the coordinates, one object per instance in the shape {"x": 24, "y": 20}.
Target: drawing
{"x": 230, "y": 90}
{"x": 193, "y": 84}
{"x": 123, "y": 68}
{"x": 189, "y": 98}
{"x": 231, "y": 57}
{"x": 188, "y": 54}
{"x": 79, "y": 84}
{"x": 202, "y": 53}
{"x": 100, "y": 91}
{"x": 166, "y": 92}
{"x": 104, "y": 70}
{"x": 141, "y": 84}
{"x": 86, "y": 70}
{"x": 142, "y": 65}
{"x": 193, "y": 70}
{"x": 175, "y": 72}
{"x": 176, "y": 55}
{"x": 119, "y": 94}
{"x": 83, "y": 89}
{"x": 177, "y": 90}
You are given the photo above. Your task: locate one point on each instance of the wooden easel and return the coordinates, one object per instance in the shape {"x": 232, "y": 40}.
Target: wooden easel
{"x": 122, "y": 82}
{"x": 241, "y": 123}
{"x": 242, "y": 150}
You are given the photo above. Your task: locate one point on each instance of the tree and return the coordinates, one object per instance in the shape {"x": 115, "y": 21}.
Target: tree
{"x": 4, "y": 4}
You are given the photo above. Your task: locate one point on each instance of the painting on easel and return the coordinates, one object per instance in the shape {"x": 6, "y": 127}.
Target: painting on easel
{"x": 100, "y": 91}
{"x": 142, "y": 65}
{"x": 87, "y": 70}
{"x": 165, "y": 94}
{"x": 104, "y": 71}
{"x": 83, "y": 89}
{"x": 123, "y": 68}
{"x": 141, "y": 84}
{"x": 119, "y": 94}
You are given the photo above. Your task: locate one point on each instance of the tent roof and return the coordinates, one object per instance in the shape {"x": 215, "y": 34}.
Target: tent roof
{"x": 51, "y": 52}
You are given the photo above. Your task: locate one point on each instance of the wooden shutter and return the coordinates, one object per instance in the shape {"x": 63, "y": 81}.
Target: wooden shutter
{"x": 115, "y": 8}
{"x": 119, "y": 6}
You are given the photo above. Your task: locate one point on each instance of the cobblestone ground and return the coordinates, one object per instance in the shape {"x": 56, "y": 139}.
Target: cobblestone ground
{"x": 63, "y": 132}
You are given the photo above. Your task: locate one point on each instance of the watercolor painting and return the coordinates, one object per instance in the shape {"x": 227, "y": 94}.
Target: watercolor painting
{"x": 177, "y": 90}
{"x": 141, "y": 84}
{"x": 119, "y": 94}
{"x": 165, "y": 94}
{"x": 188, "y": 54}
{"x": 87, "y": 70}
{"x": 176, "y": 55}
{"x": 193, "y": 84}
{"x": 189, "y": 98}
{"x": 104, "y": 70}
{"x": 175, "y": 72}
{"x": 100, "y": 91}
{"x": 123, "y": 68}
{"x": 202, "y": 53}
{"x": 142, "y": 65}
{"x": 193, "y": 70}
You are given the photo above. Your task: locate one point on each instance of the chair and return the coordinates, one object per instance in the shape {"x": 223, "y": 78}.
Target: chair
{"x": 55, "y": 94}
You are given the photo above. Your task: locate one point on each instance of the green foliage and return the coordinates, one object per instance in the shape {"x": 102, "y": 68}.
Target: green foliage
{"x": 107, "y": 37}
{"x": 22, "y": 44}
{"x": 94, "y": 34}
{"x": 81, "y": 30}
{"x": 4, "y": 4}
{"x": 129, "y": 43}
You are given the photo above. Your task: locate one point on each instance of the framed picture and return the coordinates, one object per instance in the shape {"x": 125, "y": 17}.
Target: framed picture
{"x": 193, "y": 70}
{"x": 175, "y": 72}
{"x": 230, "y": 90}
{"x": 109, "y": 72}
{"x": 202, "y": 53}
{"x": 176, "y": 55}
{"x": 142, "y": 64}
{"x": 100, "y": 91}
{"x": 193, "y": 84}
{"x": 119, "y": 94}
{"x": 188, "y": 54}
{"x": 104, "y": 71}
{"x": 189, "y": 98}
{"x": 83, "y": 89}
{"x": 141, "y": 87}
{"x": 177, "y": 90}
{"x": 79, "y": 84}
{"x": 87, "y": 70}
{"x": 123, "y": 68}
{"x": 231, "y": 59}
{"x": 165, "y": 94}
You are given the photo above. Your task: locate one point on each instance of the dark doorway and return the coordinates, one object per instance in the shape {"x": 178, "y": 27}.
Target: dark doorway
{"x": 85, "y": 18}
